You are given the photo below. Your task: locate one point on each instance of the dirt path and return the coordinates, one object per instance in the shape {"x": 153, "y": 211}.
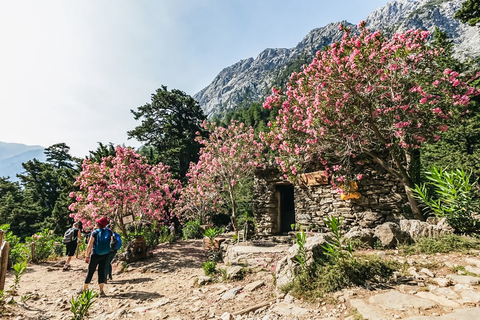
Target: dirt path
{"x": 161, "y": 287}
{"x": 166, "y": 287}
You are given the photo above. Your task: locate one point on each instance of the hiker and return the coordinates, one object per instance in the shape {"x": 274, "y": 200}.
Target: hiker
{"x": 172, "y": 228}
{"x": 70, "y": 238}
{"x": 98, "y": 251}
{"x": 115, "y": 246}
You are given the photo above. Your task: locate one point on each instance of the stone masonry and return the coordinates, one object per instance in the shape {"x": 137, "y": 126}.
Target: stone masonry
{"x": 382, "y": 200}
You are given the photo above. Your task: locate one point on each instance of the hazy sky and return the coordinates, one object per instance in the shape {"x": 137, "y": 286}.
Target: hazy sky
{"x": 71, "y": 70}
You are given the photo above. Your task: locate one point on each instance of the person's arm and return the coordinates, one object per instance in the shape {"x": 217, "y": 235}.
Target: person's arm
{"x": 89, "y": 248}
{"x": 79, "y": 236}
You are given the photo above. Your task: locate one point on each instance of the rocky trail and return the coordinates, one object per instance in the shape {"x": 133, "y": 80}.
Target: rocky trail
{"x": 172, "y": 285}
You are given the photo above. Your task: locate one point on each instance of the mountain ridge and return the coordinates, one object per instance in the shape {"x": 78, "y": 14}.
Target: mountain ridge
{"x": 12, "y": 155}
{"x": 250, "y": 79}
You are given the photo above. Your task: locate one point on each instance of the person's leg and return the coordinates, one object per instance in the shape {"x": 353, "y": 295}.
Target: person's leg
{"x": 70, "y": 251}
{"x": 92, "y": 266}
{"x": 112, "y": 256}
{"x": 102, "y": 262}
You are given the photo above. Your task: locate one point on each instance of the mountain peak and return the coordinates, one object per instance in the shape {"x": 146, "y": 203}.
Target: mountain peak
{"x": 250, "y": 79}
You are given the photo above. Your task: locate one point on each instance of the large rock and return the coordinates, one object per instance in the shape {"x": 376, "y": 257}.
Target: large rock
{"x": 288, "y": 266}
{"x": 363, "y": 235}
{"x": 419, "y": 229}
{"x": 391, "y": 235}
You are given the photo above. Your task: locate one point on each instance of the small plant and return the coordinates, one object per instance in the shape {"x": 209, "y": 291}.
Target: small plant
{"x": 301, "y": 257}
{"x": 212, "y": 233}
{"x": 209, "y": 267}
{"x": 2, "y": 300}
{"x": 223, "y": 272}
{"x": 336, "y": 248}
{"x": 19, "y": 270}
{"x": 454, "y": 197}
{"x": 192, "y": 230}
{"x": 25, "y": 298}
{"x": 80, "y": 305}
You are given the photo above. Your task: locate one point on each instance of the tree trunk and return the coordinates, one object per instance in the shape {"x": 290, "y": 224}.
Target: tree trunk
{"x": 417, "y": 213}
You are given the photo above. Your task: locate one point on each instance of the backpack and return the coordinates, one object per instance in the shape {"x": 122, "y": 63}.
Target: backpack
{"x": 69, "y": 235}
{"x": 117, "y": 242}
{"x": 102, "y": 241}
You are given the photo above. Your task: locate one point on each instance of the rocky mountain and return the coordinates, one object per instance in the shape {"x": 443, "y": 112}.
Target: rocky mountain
{"x": 250, "y": 80}
{"x": 12, "y": 155}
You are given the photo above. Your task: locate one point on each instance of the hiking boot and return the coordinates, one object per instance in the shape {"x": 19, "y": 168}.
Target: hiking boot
{"x": 66, "y": 267}
{"x": 102, "y": 294}
{"x": 79, "y": 291}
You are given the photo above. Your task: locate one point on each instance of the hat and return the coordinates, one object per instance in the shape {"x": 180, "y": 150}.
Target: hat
{"x": 103, "y": 221}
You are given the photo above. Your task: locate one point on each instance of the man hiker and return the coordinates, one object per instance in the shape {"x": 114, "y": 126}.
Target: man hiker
{"x": 70, "y": 238}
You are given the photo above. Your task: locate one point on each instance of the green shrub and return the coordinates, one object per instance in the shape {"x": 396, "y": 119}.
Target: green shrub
{"x": 336, "y": 248}
{"x": 321, "y": 278}
{"x": 80, "y": 305}
{"x": 192, "y": 230}
{"x": 301, "y": 257}
{"x": 454, "y": 197}
{"x": 442, "y": 244}
{"x": 210, "y": 267}
{"x": 44, "y": 244}
{"x": 18, "y": 251}
{"x": 212, "y": 233}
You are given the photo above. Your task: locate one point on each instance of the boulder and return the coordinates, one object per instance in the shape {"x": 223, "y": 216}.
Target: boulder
{"x": 363, "y": 235}
{"x": 391, "y": 235}
{"x": 419, "y": 229}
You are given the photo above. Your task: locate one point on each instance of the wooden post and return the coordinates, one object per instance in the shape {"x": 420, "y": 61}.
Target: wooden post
{"x": 4, "y": 249}
{"x": 32, "y": 250}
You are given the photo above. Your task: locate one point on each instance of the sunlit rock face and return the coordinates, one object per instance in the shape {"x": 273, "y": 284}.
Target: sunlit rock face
{"x": 250, "y": 80}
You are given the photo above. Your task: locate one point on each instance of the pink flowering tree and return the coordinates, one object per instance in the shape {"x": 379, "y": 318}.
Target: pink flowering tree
{"x": 199, "y": 197}
{"x": 123, "y": 185}
{"x": 366, "y": 96}
{"x": 227, "y": 160}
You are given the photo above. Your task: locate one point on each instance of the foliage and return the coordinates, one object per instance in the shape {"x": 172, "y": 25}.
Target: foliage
{"x": 41, "y": 199}
{"x": 80, "y": 305}
{"x": 322, "y": 278}
{"x": 44, "y": 244}
{"x": 336, "y": 248}
{"x": 366, "y": 96}
{"x": 212, "y": 233}
{"x": 124, "y": 185}
{"x": 19, "y": 269}
{"x": 227, "y": 161}
{"x": 253, "y": 115}
{"x": 209, "y": 267}
{"x": 18, "y": 251}
{"x": 469, "y": 13}
{"x": 192, "y": 230}
{"x": 301, "y": 257}
{"x": 443, "y": 244}
{"x": 454, "y": 197}
{"x": 101, "y": 152}
{"x": 169, "y": 124}
{"x": 459, "y": 147}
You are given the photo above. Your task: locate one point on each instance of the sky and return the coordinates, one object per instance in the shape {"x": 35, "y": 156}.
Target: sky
{"x": 71, "y": 70}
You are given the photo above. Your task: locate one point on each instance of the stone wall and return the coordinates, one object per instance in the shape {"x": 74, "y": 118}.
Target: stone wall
{"x": 382, "y": 199}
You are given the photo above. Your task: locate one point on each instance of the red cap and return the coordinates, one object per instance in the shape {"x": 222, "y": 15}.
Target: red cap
{"x": 103, "y": 221}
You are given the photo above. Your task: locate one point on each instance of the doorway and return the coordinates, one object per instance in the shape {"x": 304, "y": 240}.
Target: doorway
{"x": 286, "y": 207}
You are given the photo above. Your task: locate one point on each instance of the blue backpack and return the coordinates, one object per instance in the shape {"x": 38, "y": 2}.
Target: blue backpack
{"x": 102, "y": 241}
{"x": 118, "y": 241}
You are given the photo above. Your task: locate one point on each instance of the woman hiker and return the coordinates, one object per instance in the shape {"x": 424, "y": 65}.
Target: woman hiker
{"x": 98, "y": 251}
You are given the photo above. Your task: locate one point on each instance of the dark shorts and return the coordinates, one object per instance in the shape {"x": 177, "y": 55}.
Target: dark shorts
{"x": 71, "y": 247}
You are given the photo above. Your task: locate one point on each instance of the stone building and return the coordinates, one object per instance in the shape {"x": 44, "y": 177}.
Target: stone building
{"x": 278, "y": 205}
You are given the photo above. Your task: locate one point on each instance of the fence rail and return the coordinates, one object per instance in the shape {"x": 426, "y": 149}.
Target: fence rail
{"x": 4, "y": 248}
